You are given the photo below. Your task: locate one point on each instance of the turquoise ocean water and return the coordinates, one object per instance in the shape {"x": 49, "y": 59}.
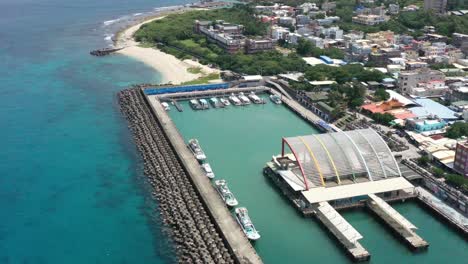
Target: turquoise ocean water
{"x": 71, "y": 188}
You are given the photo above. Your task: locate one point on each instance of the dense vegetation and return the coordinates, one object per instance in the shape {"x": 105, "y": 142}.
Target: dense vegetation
{"x": 177, "y": 27}
{"x": 457, "y": 180}
{"x": 381, "y": 95}
{"x": 342, "y": 74}
{"x": 175, "y": 35}
{"x": 457, "y": 130}
{"x": 383, "y": 119}
{"x": 307, "y": 49}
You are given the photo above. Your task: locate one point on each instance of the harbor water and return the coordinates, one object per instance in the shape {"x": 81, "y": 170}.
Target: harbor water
{"x": 238, "y": 141}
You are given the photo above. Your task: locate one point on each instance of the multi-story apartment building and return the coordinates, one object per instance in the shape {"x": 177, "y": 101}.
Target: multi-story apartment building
{"x": 437, "y": 6}
{"x": 257, "y": 45}
{"x": 229, "y": 37}
{"x": 408, "y": 80}
{"x": 461, "y": 158}
{"x": 370, "y": 20}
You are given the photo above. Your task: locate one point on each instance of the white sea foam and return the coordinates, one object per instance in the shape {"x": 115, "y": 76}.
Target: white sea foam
{"x": 137, "y": 14}
{"x": 108, "y": 37}
{"x": 110, "y": 22}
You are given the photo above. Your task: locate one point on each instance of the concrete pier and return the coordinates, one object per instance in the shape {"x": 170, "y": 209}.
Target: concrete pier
{"x": 397, "y": 223}
{"x": 343, "y": 231}
{"x": 240, "y": 246}
{"x": 208, "y": 93}
{"x": 448, "y": 214}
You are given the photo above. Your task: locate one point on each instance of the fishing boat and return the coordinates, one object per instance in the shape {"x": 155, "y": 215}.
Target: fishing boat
{"x": 242, "y": 216}
{"x": 204, "y": 104}
{"x": 196, "y": 149}
{"x": 165, "y": 106}
{"x": 214, "y": 101}
{"x": 226, "y": 194}
{"x": 255, "y": 98}
{"x": 225, "y": 101}
{"x": 208, "y": 171}
{"x": 275, "y": 99}
{"x": 244, "y": 99}
{"x": 233, "y": 98}
{"x": 195, "y": 104}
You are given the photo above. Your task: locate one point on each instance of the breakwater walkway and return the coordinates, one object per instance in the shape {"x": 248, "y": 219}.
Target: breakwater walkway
{"x": 195, "y": 235}
{"x": 242, "y": 250}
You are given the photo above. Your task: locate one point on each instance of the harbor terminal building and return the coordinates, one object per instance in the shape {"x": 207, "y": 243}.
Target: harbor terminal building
{"x": 326, "y": 172}
{"x": 341, "y": 168}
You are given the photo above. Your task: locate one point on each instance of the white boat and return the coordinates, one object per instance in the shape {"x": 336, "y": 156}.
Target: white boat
{"x": 225, "y": 101}
{"x": 195, "y": 104}
{"x": 165, "y": 106}
{"x": 204, "y": 104}
{"x": 226, "y": 194}
{"x": 242, "y": 216}
{"x": 214, "y": 101}
{"x": 235, "y": 100}
{"x": 275, "y": 99}
{"x": 196, "y": 149}
{"x": 208, "y": 171}
{"x": 244, "y": 99}
{"x": 255, "y": 98}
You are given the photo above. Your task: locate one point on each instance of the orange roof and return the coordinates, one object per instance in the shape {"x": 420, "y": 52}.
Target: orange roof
{"x": 402, "y": 114}
{"x": 382, "y": 107}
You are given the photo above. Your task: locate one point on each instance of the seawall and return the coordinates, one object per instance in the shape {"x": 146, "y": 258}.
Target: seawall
{"x": 194, "y": 234}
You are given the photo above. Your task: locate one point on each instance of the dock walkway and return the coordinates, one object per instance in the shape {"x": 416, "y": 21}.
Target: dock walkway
{"x": 343, "y": 231}
{"x": 399, "y": 224}
{"x": 239, "y": 245}
{"x": 453, "y": 216}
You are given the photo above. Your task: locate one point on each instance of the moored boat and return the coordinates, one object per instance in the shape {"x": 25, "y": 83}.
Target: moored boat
{"x": 214, "y": 101}
{"x": 235, "y": 100}
{"x": 275, "y": 99}
{"x": 195, "y": 104}
{"x": 196, "y": 149}
{"x": 244, "y": 99}
{"x": 204, "y": 104}
{"x": 242, "y": 216}
{"x": 226, "y": 194}
{"x": 208, "y": 171}
{"x": 165, "y": 106}
{"x": 225, "y": 101}
{"x": 255, "y": 98}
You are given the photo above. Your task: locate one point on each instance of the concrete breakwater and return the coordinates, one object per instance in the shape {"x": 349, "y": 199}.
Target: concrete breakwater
{"x": 104, "y": 52}
{"x": 193, "y": 232}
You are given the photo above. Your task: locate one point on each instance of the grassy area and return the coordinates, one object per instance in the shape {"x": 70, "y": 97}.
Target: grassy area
{"x": 146, "y": 45}
{"x": 194, "y": 70}
{"x": 204, "y": 79}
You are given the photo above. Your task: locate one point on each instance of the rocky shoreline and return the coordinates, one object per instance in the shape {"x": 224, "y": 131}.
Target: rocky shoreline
{"x": 191, "y": 229}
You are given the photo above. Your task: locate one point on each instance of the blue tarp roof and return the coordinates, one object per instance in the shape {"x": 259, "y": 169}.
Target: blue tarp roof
{"x": 430, "y": 107}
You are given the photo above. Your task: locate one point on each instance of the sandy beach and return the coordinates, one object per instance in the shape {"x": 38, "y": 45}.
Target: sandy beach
{"x": 172, "y": 69}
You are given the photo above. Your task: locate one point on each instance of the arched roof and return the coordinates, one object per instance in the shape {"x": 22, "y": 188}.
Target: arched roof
{"x": 349, "y": 154}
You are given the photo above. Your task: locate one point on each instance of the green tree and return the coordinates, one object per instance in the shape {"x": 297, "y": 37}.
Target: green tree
{"x": 438, "y": 172}
{"x": 423, "y": 160}
{"x": 457, "y": 130}
{"x": 381, "y": 95}
{"x": 304, "y": 47}
{"x": 383, "y": 119}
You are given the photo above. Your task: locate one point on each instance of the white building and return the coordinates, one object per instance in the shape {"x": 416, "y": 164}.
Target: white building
{"x": 278, "y": 32}
{"x": 286, "y": 21}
